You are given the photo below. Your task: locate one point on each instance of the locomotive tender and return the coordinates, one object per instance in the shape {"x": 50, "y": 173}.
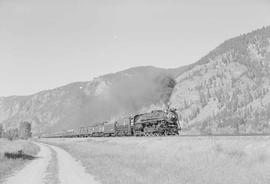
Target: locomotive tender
{"x": 155, "y": 123}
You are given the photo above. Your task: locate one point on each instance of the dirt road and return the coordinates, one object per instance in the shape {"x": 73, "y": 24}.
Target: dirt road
{"x": 69, "y": 171}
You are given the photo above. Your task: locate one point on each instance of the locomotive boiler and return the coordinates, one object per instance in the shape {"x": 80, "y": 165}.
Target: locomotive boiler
{"x": 156, "y": 123}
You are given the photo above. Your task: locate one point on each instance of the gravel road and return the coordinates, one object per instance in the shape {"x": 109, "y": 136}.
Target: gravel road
{"x": 69, "y": 171}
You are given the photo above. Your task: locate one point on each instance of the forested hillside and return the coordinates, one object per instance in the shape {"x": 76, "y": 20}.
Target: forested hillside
{"x": 227, "y": 91}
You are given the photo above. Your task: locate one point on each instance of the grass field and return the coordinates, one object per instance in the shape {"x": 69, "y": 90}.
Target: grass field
{"x": 8, "y": 166}
{"x": 184, "y": 160}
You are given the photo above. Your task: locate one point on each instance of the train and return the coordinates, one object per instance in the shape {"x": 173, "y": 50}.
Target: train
{"x": 154, "y": 123}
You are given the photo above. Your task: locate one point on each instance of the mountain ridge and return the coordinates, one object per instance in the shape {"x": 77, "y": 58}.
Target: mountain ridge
{"x": 75, "y": 99}
{"x": 205, "y": 93}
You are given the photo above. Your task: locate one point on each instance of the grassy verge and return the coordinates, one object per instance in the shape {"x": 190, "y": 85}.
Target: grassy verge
{"x": 8, "y": 166}
{"x": 194, "y": 160}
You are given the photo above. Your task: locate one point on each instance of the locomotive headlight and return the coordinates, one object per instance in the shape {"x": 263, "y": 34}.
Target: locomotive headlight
{"x": 171, "y": 116}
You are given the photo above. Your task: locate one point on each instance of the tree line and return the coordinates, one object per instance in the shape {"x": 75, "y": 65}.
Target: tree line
{"x": 23, "y": 131}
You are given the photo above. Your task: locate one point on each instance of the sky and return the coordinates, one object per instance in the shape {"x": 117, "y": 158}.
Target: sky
{"x": 48, "y": 43}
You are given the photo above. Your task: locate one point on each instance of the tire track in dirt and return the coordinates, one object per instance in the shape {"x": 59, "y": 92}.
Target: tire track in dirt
{"x": 70, "y": 170}
{"x": 52, "y": 170}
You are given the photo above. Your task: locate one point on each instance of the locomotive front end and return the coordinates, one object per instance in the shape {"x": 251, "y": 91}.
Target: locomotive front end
{"x": 172, "y": 117}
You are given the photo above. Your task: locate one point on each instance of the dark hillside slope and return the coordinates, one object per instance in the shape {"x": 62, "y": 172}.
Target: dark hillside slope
{"x": 228, "y": 90}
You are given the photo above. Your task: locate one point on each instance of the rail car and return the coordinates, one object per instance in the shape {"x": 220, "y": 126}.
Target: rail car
{"x": 154, "y": 123}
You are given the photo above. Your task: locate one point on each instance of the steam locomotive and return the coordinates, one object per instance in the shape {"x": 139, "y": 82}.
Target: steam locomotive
{"x": 155, "y": 123}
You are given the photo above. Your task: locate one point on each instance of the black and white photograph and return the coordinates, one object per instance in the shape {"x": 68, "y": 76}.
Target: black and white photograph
{"x": 134, "y": 91}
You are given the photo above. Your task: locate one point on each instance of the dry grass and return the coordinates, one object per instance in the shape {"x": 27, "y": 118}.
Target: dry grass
{"x": 185, "y": 160}
{"x": 8, "y": 166}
